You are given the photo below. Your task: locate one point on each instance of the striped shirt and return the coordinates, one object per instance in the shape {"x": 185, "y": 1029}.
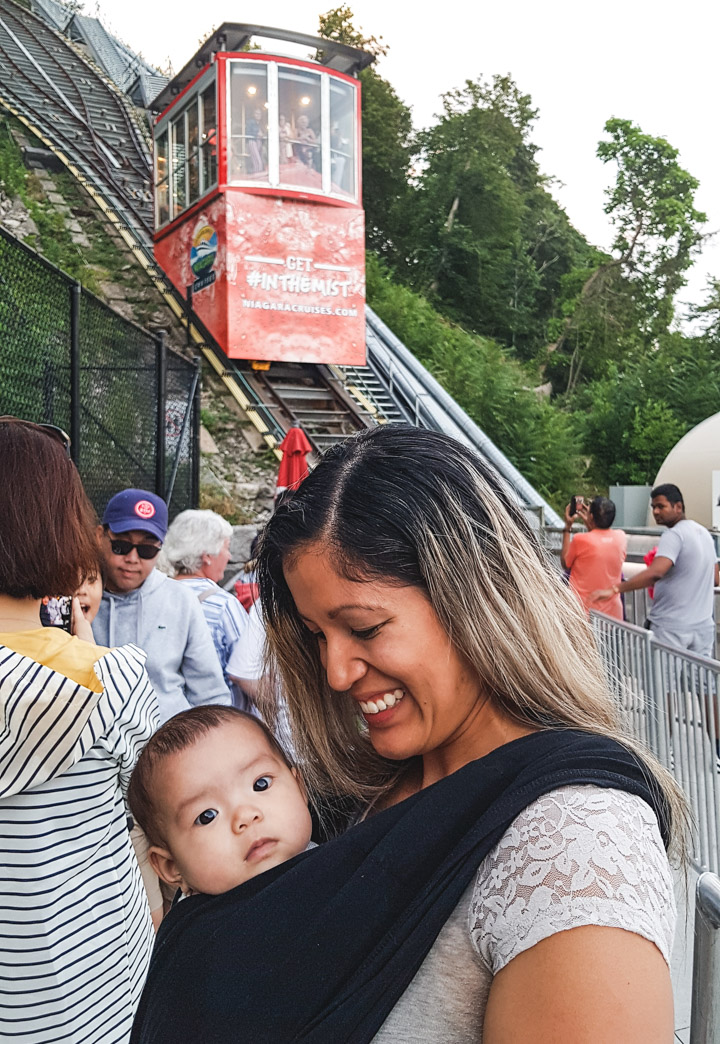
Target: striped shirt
{"x": 75, "y": 929}
{"x": 226, "y": 618}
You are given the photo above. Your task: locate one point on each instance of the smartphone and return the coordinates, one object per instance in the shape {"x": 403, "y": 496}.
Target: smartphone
{"x": 575, "y": 503}
{"x": 57, "y": 612}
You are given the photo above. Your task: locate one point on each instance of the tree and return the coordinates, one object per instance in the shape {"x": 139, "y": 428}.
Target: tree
{"x": 657, "y": 233}
{"x": 652, "y": 206}
{"x": 490, "y": 243}
{"x": 386, "y": 154}
{"x": 632, "y": 417}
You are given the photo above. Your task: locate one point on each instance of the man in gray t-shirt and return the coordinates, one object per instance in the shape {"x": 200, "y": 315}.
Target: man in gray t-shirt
{"x": 684, "y": 572}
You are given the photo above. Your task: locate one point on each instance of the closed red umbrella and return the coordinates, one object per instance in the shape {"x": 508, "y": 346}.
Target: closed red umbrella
{"x": 293, "y": 466}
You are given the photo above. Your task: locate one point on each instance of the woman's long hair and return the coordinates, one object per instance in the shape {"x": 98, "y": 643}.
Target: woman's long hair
{"x": 412, "y": 507}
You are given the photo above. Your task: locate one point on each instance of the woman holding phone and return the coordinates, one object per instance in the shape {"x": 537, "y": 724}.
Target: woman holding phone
{"x": 76, "y": 932}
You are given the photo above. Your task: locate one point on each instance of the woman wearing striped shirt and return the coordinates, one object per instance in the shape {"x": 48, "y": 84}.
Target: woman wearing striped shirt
{"x": 75, "y": 929}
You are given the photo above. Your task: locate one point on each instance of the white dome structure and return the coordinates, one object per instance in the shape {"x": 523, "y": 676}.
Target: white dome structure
{"x": 690, "y": 464}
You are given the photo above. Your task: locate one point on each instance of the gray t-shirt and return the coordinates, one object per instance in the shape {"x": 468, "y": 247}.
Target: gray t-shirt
{"x": 684, "y": 596}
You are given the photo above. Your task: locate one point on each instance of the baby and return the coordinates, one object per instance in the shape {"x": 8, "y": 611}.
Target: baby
{"x": 218, "y": 800}
{"x": 89, "y": 596}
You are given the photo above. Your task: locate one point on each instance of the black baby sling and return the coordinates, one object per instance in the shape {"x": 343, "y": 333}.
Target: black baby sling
{"x": 320, "y": 948}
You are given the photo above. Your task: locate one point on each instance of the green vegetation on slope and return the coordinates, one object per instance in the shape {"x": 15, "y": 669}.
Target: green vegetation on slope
{"x": 488, "y": 283}
{"x": 491, "y": 387}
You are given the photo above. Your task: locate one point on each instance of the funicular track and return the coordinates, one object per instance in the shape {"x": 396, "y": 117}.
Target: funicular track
{"x": 82, "y": 117}
{"x": 44, "y": 77}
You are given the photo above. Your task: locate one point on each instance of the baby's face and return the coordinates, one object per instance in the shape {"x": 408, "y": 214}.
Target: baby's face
{"x": 89, "y": 594}
{"x": 231, "y": 809}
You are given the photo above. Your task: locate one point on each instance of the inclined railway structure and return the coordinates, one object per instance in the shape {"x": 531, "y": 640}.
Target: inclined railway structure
{"x": 73, "y": 106}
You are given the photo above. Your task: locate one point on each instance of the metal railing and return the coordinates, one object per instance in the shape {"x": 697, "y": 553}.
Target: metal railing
{"x": 668, "y": 700}
{"x": 636, "y": 604}
{"x": 705, "y": 1011}
{"x": 421, "y": 396}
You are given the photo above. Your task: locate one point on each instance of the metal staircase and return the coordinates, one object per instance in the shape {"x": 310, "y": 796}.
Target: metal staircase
{"x": 364, "y": 384}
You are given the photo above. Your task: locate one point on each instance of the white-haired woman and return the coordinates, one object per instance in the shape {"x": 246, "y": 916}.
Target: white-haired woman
{"x": 197, "y": 551}
{"x": 509, "y": 880}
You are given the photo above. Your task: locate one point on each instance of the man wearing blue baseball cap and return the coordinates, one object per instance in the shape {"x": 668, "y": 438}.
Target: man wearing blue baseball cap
{"x": 142, "y": 606}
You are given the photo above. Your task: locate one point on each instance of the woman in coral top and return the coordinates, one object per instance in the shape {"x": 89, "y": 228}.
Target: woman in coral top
{"x": 595, "y": 559}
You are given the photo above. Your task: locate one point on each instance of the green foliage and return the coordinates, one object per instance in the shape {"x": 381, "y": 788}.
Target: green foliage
{"x": 488, "y": 243}
{"x": 214, "y": 499}
{"x": 12, "y": 171}
{"x": 627, "y": 302}
{"x": 53, "y": 239}
{"x": 538, "y": 438}
{"x": 387, "y": 130}
{"x": 652, "y": 205}
{"x": 635, "y": 414}
{"x": 387, "y": 126}
{"x": 337, "y": 24}
{"x": 628, "y": 431}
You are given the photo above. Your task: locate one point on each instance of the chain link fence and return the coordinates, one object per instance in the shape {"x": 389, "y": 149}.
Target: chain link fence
{"x": 129, "y": 404}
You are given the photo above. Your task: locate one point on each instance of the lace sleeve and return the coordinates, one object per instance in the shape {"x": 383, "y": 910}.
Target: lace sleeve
{"x": 580, "y": 855}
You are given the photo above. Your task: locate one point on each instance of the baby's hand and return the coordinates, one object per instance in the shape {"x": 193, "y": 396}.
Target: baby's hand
{"x": 80, "y": 626}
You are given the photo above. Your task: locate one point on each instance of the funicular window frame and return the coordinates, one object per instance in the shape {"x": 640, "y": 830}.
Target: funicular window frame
{"x": 327, "y": 151}
{"x": 189, "y": 157}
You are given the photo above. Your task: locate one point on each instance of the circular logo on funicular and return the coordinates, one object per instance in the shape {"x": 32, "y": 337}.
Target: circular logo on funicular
{"x": 203, "y": 250}
{"x": 144, "y": 509}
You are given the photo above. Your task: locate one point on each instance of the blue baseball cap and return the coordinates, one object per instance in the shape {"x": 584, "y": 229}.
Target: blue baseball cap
{"x": 137, "y": 509}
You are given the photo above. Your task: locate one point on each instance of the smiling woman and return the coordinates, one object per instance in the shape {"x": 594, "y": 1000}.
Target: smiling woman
{"x": 438, "y": 672}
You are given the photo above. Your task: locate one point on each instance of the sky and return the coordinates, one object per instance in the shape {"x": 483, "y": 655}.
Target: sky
{"x": 644, "y": 60}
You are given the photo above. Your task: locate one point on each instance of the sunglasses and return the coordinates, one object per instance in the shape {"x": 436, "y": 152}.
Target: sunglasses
{"x": 47, "y": 429}
{"x": 124, "y": 547}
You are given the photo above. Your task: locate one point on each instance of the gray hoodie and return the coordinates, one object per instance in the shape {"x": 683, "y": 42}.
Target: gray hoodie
{"x": 167, "y": 622}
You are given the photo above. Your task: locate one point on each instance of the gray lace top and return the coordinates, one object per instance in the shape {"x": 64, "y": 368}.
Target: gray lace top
{"x": 580, "y": 855}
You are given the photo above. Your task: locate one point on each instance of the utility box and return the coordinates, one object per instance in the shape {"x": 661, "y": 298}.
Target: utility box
{"x": 632, "y": 504}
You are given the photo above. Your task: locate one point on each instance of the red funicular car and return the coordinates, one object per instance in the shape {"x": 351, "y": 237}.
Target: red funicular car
{"x": 258, "y": 206}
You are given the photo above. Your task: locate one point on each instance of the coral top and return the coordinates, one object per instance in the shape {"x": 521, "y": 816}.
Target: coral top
{"x": 595, "y": 560}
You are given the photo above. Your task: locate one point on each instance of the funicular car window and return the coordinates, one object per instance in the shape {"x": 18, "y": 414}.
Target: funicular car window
{"x": 208, "y": 138}
{"x": 186, "y": 154}
{"x": 342, "y": 138}
{"x": 248, "y": 145}
{"x": 162, "y": 173}
{"x": 179, "y": 156}
{"x": 300, "y": 129}
{"x": 193, "y": 148}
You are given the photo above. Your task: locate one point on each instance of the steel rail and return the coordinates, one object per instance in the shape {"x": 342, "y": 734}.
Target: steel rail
{"x": 41, "y": 37}
{"x": 434, "y": 408}
{"x": 132, "y": 226}
{"x": 50, "y": 88}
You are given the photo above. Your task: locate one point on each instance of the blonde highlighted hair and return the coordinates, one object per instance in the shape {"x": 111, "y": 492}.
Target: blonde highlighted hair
{"x": 412, "y": 507}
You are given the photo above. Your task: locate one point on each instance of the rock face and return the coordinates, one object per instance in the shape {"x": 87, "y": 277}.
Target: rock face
{"x": 242, "y": 538}
{"x": 15, "y": 217}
